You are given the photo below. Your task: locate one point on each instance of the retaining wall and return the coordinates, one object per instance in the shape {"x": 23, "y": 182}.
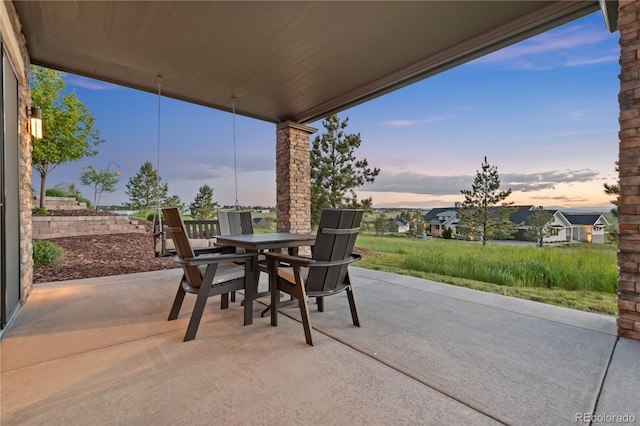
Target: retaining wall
{"x": 45, "y": 227}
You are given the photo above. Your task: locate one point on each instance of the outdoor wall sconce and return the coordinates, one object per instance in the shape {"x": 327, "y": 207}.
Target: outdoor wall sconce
{"x": 35, "y": 122}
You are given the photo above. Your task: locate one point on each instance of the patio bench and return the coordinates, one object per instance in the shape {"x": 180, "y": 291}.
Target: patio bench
{"x": 201, "y": 233}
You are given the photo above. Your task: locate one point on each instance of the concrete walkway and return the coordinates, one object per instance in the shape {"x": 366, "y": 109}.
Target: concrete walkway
{"x": 100, "y": 352}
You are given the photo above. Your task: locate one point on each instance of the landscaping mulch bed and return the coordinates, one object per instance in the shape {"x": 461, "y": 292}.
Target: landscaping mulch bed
{"x": 102, "y": 255}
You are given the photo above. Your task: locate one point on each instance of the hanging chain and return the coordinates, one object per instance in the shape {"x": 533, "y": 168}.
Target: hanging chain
{"x": 235, "y": 164}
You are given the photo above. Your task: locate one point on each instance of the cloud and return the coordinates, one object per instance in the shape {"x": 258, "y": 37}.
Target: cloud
{"x": 212, "y": 168}
{"x": 85, "y": 83}
{"x": 591, "y": 61}
{"x": 407, "y": 123}
{"x": 545, "y": 180}
{"x": 560, "y": 198}
{"x": 418, "y": 183}
{"x": 566, "y": 47}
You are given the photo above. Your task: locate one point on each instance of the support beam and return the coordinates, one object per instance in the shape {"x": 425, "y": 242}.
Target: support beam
{"x": 629, "y": 166}
{"x": 293, "y": 177}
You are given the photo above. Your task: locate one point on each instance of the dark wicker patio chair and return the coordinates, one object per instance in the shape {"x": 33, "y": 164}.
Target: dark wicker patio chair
{"x": 208, "y": 275}
{"x": 325, "y": 273}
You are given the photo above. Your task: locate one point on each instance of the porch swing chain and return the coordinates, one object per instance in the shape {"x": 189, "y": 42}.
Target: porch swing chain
{"x": 235, "y": 165}
{"x": 156, "y": 211}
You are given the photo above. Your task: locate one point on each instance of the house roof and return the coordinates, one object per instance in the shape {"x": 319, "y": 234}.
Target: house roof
{"x": 282, "y": 60}
{"x": 400, "y": 221}
{"x": 519, "y": 216}
{"x": 432, "y": 215}
{"x": 584, "y": 218}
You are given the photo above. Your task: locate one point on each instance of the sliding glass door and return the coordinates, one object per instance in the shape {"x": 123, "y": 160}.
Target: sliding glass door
{"x": 9, "y": 193}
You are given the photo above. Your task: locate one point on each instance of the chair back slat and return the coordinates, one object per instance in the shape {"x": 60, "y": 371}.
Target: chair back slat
{"x": 235, "y": 223}
{"x": 246, "y": 222}
{"x": 176, "y": 227}
{"x": 337, "y": 233}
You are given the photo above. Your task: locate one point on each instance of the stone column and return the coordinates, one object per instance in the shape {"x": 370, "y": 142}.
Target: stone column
{"x": 629, "y": 166}
{"x": 293, "y": 179}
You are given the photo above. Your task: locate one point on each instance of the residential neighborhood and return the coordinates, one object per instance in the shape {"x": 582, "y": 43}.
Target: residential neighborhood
{"x": 567, "y": 226}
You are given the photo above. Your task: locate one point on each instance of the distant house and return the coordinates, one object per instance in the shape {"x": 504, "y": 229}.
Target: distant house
{"x": 587, "y": 227}
{"x": 521, "y": 217}
{"x": 583, "y": 227}
{"x": 440, "y": 218}
{"x": 403, "y": 225}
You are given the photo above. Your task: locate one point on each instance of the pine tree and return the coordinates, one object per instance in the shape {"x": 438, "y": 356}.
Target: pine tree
{"x": 145, "y": 189}
{"x": 172, "y": 201}
{"x": 203, "y": 206}
{"x": 335, "y": 171}
{"x": 480, "y": 216}
{"x": 613, "y": 189}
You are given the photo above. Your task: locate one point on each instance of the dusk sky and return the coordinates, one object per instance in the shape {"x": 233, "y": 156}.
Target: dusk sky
{"x": 544, "y": 111}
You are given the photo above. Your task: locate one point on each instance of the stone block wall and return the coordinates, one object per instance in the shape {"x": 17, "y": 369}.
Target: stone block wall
{"x": 46, "y": 227}
{"x": 293, "y": 177}
{"x": 60, "y": 203}
{"x": 629, "y": 166}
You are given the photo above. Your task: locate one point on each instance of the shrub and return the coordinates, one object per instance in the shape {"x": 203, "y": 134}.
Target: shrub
{"x": 62, "y": 192}
{"x": 39, "y": 211}
{"x": 447, "y": 233}
{"x": 46, "y": 253}
{"x": 56, "y": 192}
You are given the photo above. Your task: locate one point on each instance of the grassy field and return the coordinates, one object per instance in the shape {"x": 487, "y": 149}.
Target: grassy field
{"x": 579, "y": 276}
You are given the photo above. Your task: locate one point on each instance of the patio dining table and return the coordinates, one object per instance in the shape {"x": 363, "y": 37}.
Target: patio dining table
{"x": 268, "y": 242}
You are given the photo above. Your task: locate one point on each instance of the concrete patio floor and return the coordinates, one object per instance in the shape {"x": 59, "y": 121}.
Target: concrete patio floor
{"x": 100, "y": 352}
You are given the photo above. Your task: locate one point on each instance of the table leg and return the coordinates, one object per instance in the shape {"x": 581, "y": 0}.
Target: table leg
{"x": 275, "y": 294}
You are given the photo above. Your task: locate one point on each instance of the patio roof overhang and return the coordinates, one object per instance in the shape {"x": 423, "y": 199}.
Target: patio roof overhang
{"x": 298, "y": 61}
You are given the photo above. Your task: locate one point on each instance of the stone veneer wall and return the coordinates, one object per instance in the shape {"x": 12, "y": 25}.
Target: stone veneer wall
{"x": 293, "y": 177}
{"x": 11, "y": 31}
{"x": 629, "y": 166}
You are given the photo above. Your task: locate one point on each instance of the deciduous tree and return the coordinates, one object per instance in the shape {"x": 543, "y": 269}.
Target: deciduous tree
{"x": 335, "y": 171}
{"x": 68, "y": 132}
{"x": 417, "y": 225}
{"x": 100, "y": 181}
{"x": 480, "y": 215}
{"x": 203, "y": 206}
{"x": 380, "y": 223}
{"x": 540, "y": 225}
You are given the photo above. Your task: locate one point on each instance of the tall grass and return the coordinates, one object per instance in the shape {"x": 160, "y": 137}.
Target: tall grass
{"x": 587, "y": 267}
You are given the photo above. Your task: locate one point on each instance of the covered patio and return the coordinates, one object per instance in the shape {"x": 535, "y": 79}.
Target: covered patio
{"x": 288, "y": 63}
{"x": 100, "y": 351}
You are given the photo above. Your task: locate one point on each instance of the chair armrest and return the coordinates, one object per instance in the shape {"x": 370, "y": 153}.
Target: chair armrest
{"x": 207, "y": 260}
{"x": 286, "y": 258}
{"x": 350, "y": 259}
{"x": 308, "y": 262}
{"x": 206, "y": 250}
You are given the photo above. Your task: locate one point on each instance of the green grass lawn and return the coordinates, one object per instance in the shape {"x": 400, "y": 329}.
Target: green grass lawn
{"x": 579, "y": 276}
